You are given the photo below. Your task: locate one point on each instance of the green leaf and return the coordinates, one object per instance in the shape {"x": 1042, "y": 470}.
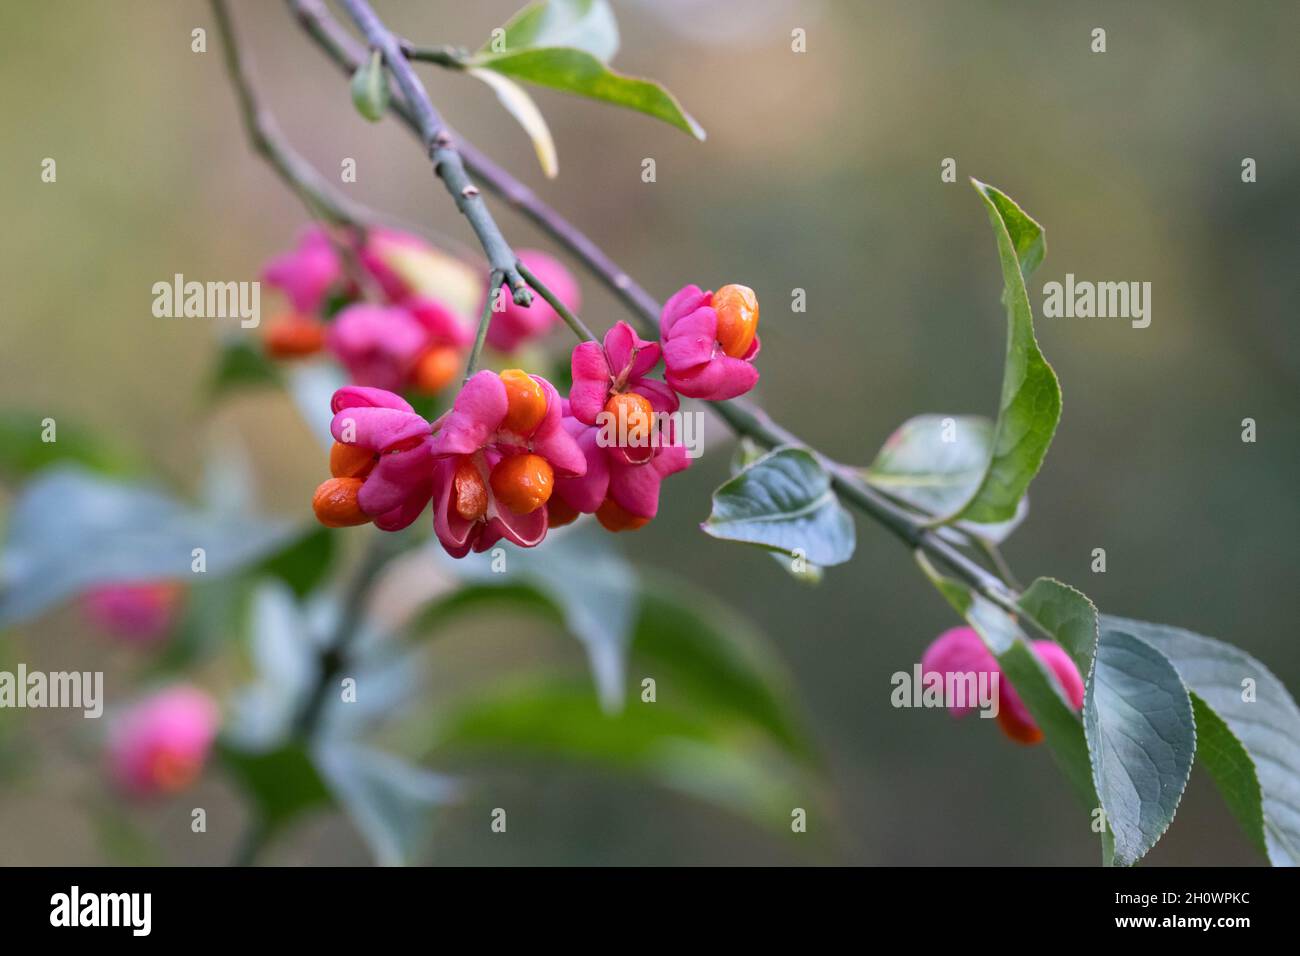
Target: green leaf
{"x": 935, "y": 463}
{"x": 1065, "y": 615}
{"x": 521, "y": 106}
{"x": 1034, "y": 683}
{"x": 576, "y": 71}
{"x": 241, "y": 363}
{"x": 370, "y": 88}
{"x": 688, "y": 753}
{"x": 24, "y": 450}
{"x": 1256, "y": 707}
{"x": 1030, "y": 406}
{"x": 585, "y": 579}
{"x": 390, "y": 800}
{"x": 704, "y": 656}
{"x": 305, "y": 562}
{"x": 1228, "y": 763}
{"x": 784, "y": 502}
{"x": 1141, "y": 736}
{"x": 583, "y": 24}
{"x": 282, "y": 783}
{"x": 70, "y": 530}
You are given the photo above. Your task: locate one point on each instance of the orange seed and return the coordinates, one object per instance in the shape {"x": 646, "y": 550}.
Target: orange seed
{"x": 523, "y": 483}
{"x": 526, "y": 402}
{"x": 737, "y": 309}
{"x": 335, "y": 503}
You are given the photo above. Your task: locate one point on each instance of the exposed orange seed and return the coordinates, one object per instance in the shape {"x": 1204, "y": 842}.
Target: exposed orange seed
{"x": 469, "y": 491}
{"x": 335, "y": 503}
{"x": 523, "y": 483}
{"x": 632, "y": 416}
{"x": 737, "y": 309}
{"x": 349, "y": 461}
{"x": 526, "y": 402}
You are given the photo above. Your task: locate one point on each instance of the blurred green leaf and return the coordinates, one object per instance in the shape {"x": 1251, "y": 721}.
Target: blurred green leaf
{"x": 24, "y": 450}
{"x": 70, "y": 530}
{"x": 1141, "y": 738}
{"x": 1262, "y": 717}
{"x": 241, "y": 363}
{"x": 551, "y": 719}
{"x": 370, "y": 88}
{"x": 282, "y": 783}
{"x": 706, "y": 657}
{"x": 783, "y": 502}
{"x": 305, "y": 562}
{"x": 390, "y": 800}
{"x": 935, "y": 463}
{"x": 1030, "y": 406}
{"x": 576, "y": 71}
{"x": 583, "y": 24}
{"x": 587, "y": 581}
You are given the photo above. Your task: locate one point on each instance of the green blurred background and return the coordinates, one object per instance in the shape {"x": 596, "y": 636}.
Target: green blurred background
{"x": 820, "y": 172}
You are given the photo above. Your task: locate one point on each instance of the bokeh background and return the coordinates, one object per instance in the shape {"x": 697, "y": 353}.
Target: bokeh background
{"x": 821, "y": 172}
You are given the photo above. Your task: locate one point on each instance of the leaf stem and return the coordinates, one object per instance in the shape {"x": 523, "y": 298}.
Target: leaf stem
{"x": 449, "y": 57}
{"x": 494, "y": 284}
{"x": 570, "y": 319}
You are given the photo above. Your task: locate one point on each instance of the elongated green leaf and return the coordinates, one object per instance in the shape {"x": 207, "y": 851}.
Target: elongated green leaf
{"x": 685, "y": 752}
{"x": 1034, "y": 683}
{"x": 304, "y": 564}
{"x": 1141, "y": 737}
{"x": 591, "y": 587}
{"x": 70, "y": 530}
{"x": 935, "y": 463}
{"x": 704, "y": 657}
{"x": 391, "y": 800}
{"x": 1227, "y": 761}
{"x": 583, "y": 24}
{"x": 1030, "y": 407}
{"x": 521, "y": 106}
{"x": 1256, "y": 707}
{"x": 1064, "y": 614}
{"x": 576, "y": 71}
{"x": 784, "y": 502}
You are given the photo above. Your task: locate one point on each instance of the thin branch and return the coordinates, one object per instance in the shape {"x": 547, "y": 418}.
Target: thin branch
{"x": 570, "y": 319}
{"x": 333, "y": 657}
{"x": 316, "y": 192}
{"x": 437, "y": 140}
{"x": 489, "y": 304}
{"x": 744, "y": 417}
